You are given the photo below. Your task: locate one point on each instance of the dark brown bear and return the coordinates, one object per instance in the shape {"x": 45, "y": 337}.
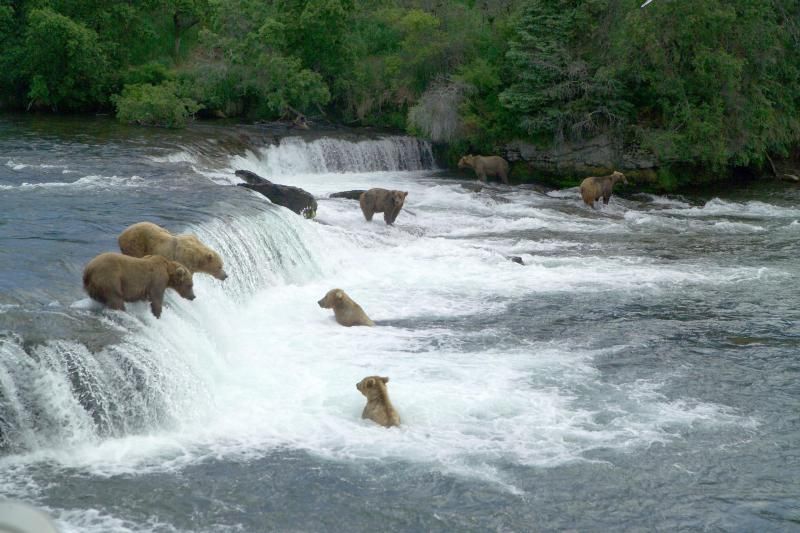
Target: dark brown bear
{"x": 113, "y": 279}
{"x": 382, "y": 201}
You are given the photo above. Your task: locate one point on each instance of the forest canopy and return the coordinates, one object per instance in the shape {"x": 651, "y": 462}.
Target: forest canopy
{"x": 713, "y": 83}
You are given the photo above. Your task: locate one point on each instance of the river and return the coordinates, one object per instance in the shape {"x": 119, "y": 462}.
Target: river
{"x": 639, "y": 372}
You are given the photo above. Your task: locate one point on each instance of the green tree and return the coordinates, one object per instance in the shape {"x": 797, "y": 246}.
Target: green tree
{"x": 714, "y": 82}
{"x": 561, "y": 87}
{"x": 66, "y": 67}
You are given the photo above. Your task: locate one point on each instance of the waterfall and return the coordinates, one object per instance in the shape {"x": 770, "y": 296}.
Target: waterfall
{"x": 294, "y": 156}
{"x": 60, "y": 392}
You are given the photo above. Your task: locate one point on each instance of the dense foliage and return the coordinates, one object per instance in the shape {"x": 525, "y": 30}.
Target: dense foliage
{"x": 712, "y": 84}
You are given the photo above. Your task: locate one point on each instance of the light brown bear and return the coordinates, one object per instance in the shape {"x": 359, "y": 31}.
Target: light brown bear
{"x": 146, "y": 238}
{"x": 347, "y": 312}
{"x": 382, "y": 201}
{"x": 593, "y": 187}
{"x": 113, "y": 279}
{"x": 378, "y": 409}
{"x": 492, "y": 165}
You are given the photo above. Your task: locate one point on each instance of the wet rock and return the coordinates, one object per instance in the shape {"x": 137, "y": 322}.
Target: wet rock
{"x": 473, "y": 187}
{"x": 516, "y": 259}
{"x": 298, "y": 200}
{"x": 350, "y": 195}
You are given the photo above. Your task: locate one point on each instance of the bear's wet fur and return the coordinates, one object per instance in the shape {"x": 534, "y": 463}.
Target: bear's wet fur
{"x": 490, "y": 165}
{"x": 384, "y": 201}
{"x": 347, "y": 312}
{"x": 595, "y": 187}
{"x": 378, "y": 409}
{"x": 113, "y": 279}
{"x": 146, "y": 238}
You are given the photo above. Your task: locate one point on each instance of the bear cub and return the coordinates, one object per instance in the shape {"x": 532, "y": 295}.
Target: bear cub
{"x": 378, "y": 409}
{"x": 113, "y": 279}
{"x": 347, "y": 312}
{"x": 382, "y": 201}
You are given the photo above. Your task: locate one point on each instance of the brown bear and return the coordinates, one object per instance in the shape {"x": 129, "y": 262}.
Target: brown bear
{"x": 492, "y": 165}
{"x": 378, "y": 409}
{"x": 146, "y": 238}
{"x": 382, "y": 201}
{"x": 593, "y": 187}
{"x": 113, "y": 279}
{"x": 347, "y": 312}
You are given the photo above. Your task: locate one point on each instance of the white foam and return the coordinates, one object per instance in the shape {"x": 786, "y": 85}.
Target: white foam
{"x": 16, "y": 166}
{"x": 752, "y": 209}
{"x": 182, "y": 156}
{"x": 86, "y": 182}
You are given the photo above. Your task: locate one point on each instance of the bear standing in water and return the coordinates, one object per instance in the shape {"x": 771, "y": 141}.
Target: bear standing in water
{"x": 146, "y": 238}
{"x": 593, "y": 187}
{"x": 347, "y": 312}
{"x": 378, "y": 409}
{"x": 492, "y": 165}
{"x": 382, "y": 201}
{"x": 113, "y": 279}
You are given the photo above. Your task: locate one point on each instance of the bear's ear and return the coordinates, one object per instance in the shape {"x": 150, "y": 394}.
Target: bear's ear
{"x": 181, "y": 273}
{"x": 339, "y": 295}
{"x": 405, "y": 193}
{"x": 370, "y": 383}
{"x": 209, "y": 257}
{"x": 385, "y": 379}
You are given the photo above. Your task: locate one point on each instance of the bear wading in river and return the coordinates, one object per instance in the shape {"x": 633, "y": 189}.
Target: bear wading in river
{"x": 378, "y": 409}
{"x": 347, "y": 312}
{"x": 146, "y": 238}
{"x": 492, "y": 165}
{"x": 113, "y": 279}
{"x": 595, "y": 187}
{"x": 382, "y": 201}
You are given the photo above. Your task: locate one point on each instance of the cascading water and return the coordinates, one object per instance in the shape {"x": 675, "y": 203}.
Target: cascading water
{"x": 294, "y": 156}
{"x": 62, "y": 393}
{"x": 610, "y": 365}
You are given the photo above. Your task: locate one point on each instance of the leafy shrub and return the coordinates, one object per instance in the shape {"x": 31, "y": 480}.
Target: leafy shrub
{"x": 162, "y": 105}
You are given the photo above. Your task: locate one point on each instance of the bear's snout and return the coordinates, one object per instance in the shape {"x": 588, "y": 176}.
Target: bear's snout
{"x": 222, "y": 276}
{"x": 321, "y": 303}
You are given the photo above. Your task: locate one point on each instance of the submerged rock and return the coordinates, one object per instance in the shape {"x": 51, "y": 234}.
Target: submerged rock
{"x": 298, "y": 200}
{"x": 350, "y": 195}
{"x": 516, "y": 259}
{"x": 473, "y": 187}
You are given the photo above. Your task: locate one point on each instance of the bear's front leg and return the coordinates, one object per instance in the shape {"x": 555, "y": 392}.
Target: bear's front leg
{"x": 156, "y": 303}
{"x": 115, "y": 302}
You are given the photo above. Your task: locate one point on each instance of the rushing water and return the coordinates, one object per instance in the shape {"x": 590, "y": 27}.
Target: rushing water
{"x": 639, "y": 372}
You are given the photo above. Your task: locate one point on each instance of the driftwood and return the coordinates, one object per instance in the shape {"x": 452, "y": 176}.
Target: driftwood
{"x": 349, "y": 195}
{"x": 298, "y": 200}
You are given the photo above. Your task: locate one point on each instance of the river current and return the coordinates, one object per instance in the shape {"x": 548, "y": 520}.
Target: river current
{"x": 640, "y": 370}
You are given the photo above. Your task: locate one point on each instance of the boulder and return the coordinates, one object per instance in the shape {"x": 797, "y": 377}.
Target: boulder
{"x": 298, "y": 200}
